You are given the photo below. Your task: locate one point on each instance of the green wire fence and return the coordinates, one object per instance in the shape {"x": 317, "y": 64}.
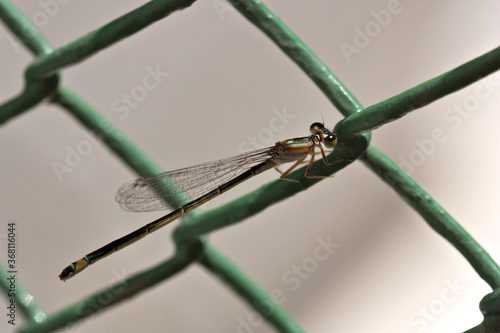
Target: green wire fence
{"x": 42, "y": 82}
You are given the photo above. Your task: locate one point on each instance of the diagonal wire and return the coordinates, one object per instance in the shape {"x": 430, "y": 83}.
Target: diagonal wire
{"x": 35, "y": 90}
{"x": 142, "y": 165}
{"x": 417, "y": 97}
{"x": 105, "y": 36}
{"x": 119, "y": 292}
{"x": 271, "y": 25}
{"x": 186, "y": 237}
{"x": 435, "y": 215}
{"x": 24, "y": 301}
{"x": 227, "y": 272}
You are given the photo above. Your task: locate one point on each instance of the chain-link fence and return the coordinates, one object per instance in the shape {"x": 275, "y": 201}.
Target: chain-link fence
{"x": 43, "y": 83}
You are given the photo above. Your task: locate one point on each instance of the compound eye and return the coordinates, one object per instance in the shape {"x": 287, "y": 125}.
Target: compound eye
{"x": 330, "y": 141}
{"x": 317, "y": 128}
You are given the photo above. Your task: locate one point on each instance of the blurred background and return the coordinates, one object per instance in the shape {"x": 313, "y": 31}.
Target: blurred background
{"x": 222, "y": 87}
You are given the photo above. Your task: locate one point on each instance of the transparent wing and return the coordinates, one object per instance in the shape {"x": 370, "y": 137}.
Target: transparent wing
{"x": 151, "y": 193}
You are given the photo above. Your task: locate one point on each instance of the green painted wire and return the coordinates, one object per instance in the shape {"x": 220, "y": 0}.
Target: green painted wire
{"x": 24, "y": 301}
{"x": 132, "y": 156}
{"x": 435, "y": 215}
{"x": 35, "y": 90}
{"x": 489, "y": 306}
{"x": 444, "y": 224}
{"x": 271, "y": 25}
{"x": 120, "y": 291}
{"x": 417, "y": 97}
{"x": 222, "y": 267}
{"x": 256, "y": 12}
{"x": 22, "y": 27}
{"x": 105, "y": 36}
{"x": 114, "y": 139}
{"x": 41, "y": 76}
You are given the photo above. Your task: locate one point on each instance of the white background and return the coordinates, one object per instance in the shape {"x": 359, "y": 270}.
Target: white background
{"x": 225, "y": 79}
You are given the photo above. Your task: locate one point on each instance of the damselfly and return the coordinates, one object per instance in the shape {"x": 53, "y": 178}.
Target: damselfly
{"x": 198, "y": 184}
